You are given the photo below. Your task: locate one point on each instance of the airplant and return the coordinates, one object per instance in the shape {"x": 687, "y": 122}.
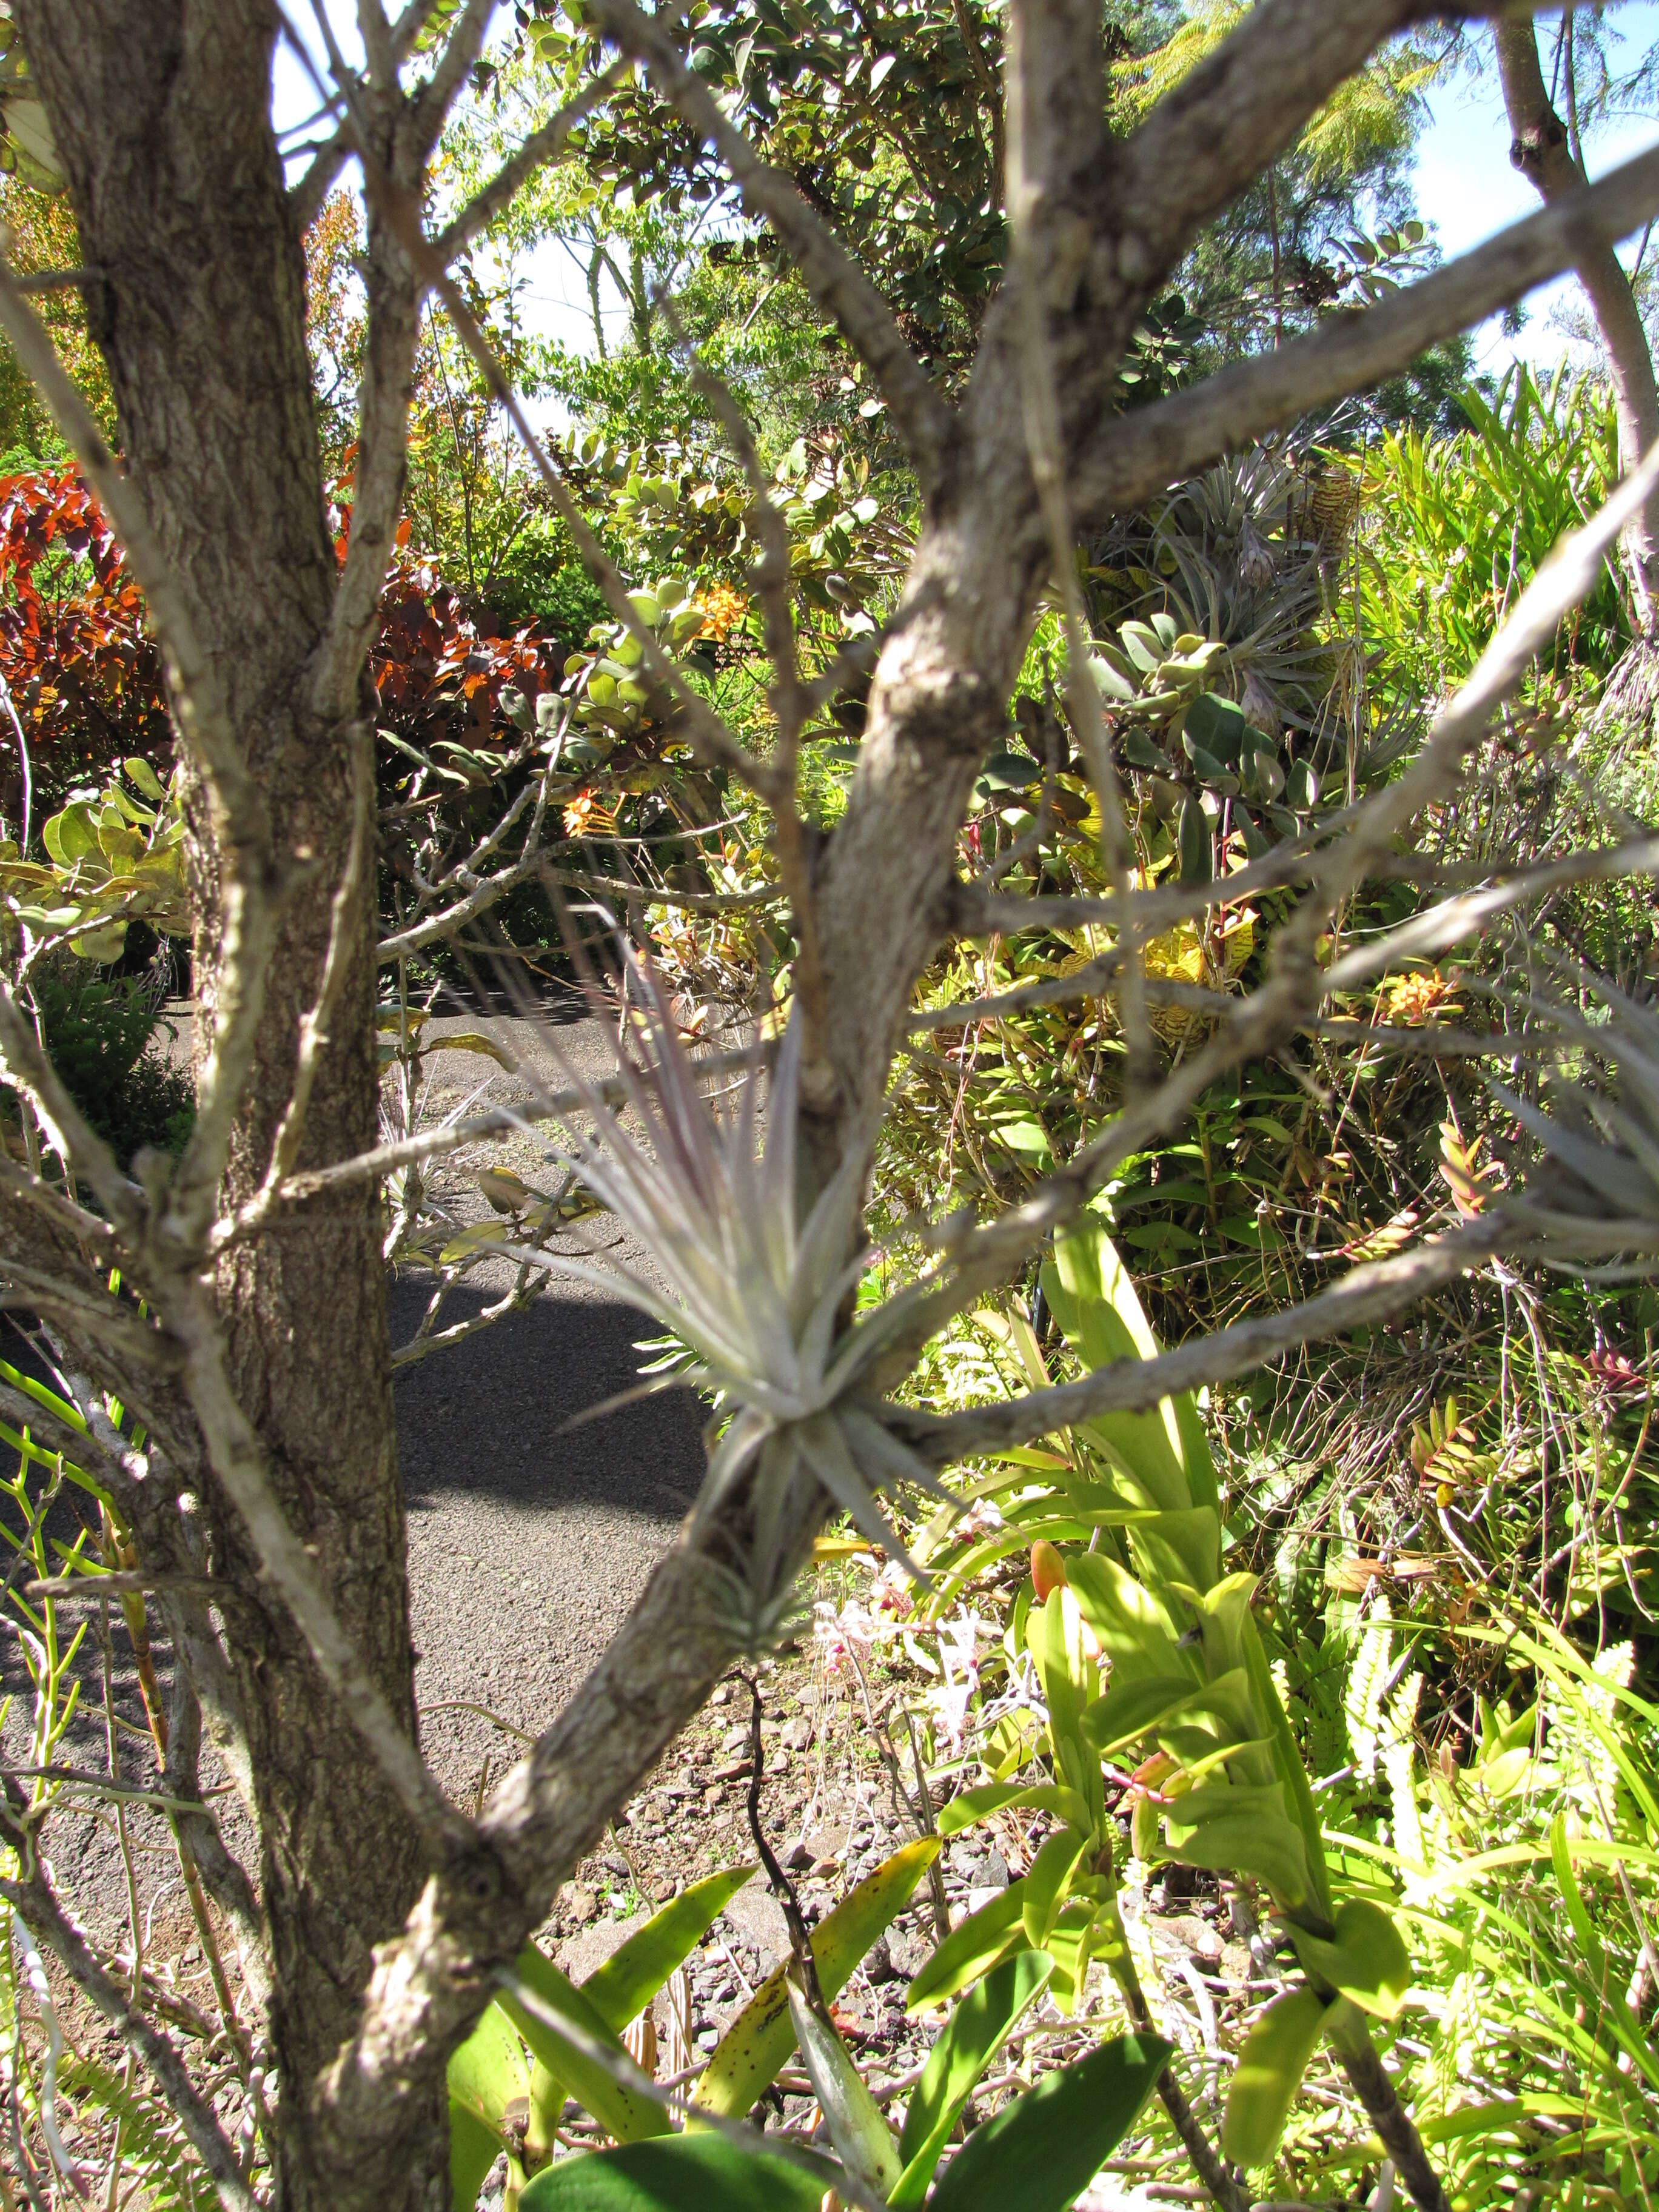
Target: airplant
{"x": 1601, "y": 1132}
{"x": 753, "y": 1292}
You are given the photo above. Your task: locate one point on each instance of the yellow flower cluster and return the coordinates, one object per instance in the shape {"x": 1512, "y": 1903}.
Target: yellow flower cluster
{"x": 722, "y": 610}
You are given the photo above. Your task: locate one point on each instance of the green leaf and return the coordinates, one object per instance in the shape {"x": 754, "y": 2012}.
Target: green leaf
{"x": 1196, "y": 850}
{"x": 972, "y": 1949}
{"x": 979, "y": 1804}
{"x": 761, "y": 2037}
{"x": 1216, "y": 725}
{"x": 473, "y": 2149}
{"x": 1132, "y": 1628}
{"x": 1292, "y": 1772}
{"x": 1251, "y": 1840}
{"x": 1134, "y": 1709}
{"x": 1138, "y": 749}
{"x": 629, "y": 2114}
{"x": 621, "y": 1989}
{"x": 1040, "y": 2150}
{"x": 1047, "y": 1882}
{"x": 489, "y": 2070}
{"x": 978, "y": 2026}
{"x": 1366, "y": 1959}
{"x": 1302, "y": 789}
{"x": 1267, "y": 2076}
{"x": 1053, "y": 1637}
{"x": 857, "y": 2128}
{"x": 1008, "y": 770}
{"x": 71, "y": 836}
{"x": 700, "y": 2173}
{"x": 139, "y": 772}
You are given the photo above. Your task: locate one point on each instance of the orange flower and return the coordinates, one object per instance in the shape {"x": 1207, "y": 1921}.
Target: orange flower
{"x": 1413, "y": 1000}
{"x": 722, "y": 610}
{"x": 587, "y": 816}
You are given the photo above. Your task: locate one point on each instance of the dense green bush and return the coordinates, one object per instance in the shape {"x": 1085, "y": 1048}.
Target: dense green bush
{"x": 103, "y": 1034}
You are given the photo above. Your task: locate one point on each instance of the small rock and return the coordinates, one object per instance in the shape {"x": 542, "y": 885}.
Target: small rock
{"x": 580, "y": 1905}
{"x": 663, "y": 1888}
{"x": 796, "y": 1733}
{"x": 707, "y": 2037}
{"x": 722, "y": 1694}
{"x": 735, "y": 1739}
{"x": 614, "y": 1863}
{"x": 1207, "y": 1947}
{"x": 799, "y": 1855}
{"x": 878, "y": 1962}
{"x": 981, "y": 1896}
{"x": 993, "y": 1871}
{"x": 755, "y": 1915}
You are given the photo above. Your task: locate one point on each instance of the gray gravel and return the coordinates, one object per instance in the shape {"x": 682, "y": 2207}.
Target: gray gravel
{"x": 528, "y": 1538}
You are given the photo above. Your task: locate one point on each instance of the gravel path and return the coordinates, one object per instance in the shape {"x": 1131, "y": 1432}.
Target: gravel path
{"x": 528, "y": 1539}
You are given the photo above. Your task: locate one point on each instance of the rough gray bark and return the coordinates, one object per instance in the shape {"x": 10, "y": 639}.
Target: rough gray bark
{"x": 163, "y": 119}
{"x": 1541, "y": 150}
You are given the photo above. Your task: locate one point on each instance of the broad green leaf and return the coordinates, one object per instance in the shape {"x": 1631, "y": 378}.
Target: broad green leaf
{"x": 621, "y": 1989}
{"x": 1040, "y": 2150}
{"x": 1132, "y": 1628}
{"x": 1266, "y": 2077}
{"x": 147, "y": 778}
{"x": 857, "y": 2128}
{"x": 971, "y": 1950}
{"x": 1183, "y": 1547}
{"x": 761, "y": 2037}
{"x": 700, "y": 2173}
{"x": 489, "y": 2070}
{"x": 629, "y": 2114}
{"x": 1047, "y": 1883}
{"x": 1366, "y": 1959}
{"x": 1054, "y": 1637}
{"x": 71, "y": 836}
{"x": 473, "y": 2149}
{"x": 1250, "y": 1835}
{"x": 979, "y": 1804}
{"x": 1139, "y": 1708}
{"x": 978, "y": 2026}
{"x": 1072, "y": 1942}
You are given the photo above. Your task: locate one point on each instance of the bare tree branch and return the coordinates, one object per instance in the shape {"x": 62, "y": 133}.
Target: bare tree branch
{"x": 433, "y": 101}
{"x": 541, "y": 147}
{"x": 1139, "y": 455}
{"x": 703, "y": 725}
{"x": 1045, "y": 44}
{"x": 1371, "y": 1293}
{"x": 1242, "y": 106}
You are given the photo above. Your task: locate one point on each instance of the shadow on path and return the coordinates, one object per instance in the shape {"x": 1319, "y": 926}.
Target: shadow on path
{"x": 488, "y": 1418}
{"x": 528, "y": 1541}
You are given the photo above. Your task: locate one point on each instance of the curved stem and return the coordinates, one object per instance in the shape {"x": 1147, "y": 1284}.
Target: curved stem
{"x": 1351, "y": 2039}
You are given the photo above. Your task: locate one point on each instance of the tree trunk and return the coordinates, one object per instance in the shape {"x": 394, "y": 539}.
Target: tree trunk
{"x": 1541, "y": 150}
{"x": 198, "y": 300}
